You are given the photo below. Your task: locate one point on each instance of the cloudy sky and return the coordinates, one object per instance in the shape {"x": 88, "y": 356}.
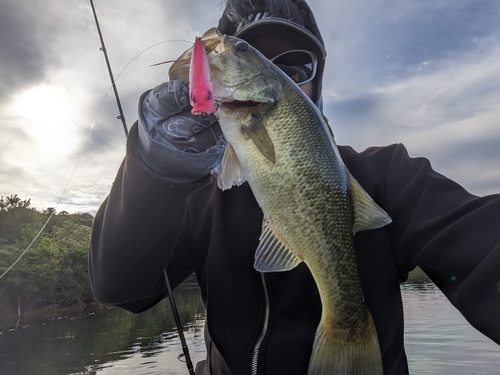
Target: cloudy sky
{"x": 425, "y": 73}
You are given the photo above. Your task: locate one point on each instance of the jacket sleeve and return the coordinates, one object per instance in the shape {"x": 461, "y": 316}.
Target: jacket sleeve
{"x": 135, "y": 235}
{"x": 451, "y": 234}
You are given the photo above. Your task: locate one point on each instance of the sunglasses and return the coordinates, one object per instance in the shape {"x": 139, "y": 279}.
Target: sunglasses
{"x": 299, "y": 64}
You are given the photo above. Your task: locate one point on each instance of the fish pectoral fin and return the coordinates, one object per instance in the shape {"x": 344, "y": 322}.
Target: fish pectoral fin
{"x": 258, "y": 133}
{"x": 272, "y": 254}
{"x": 367, "y": 214}
{"x": 230, "y": 171}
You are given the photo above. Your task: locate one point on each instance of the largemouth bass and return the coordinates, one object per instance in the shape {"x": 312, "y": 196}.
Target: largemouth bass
{"x": 280, "y": 143}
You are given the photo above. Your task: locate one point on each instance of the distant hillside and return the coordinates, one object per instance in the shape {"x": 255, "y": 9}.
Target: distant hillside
{"x": 53, "y": 273}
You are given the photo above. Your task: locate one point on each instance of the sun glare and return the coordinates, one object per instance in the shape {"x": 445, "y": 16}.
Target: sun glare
{"x": 50, "y": 114}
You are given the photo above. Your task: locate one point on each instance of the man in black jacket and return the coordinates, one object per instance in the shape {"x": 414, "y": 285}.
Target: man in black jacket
{"x": 166, "y": 211}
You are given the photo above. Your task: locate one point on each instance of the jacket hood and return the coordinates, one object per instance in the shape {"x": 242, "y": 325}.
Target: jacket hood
{"x": 292, "y": 19}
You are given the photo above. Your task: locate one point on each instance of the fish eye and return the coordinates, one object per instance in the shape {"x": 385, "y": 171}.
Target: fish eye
{"x": 241, "y": 46}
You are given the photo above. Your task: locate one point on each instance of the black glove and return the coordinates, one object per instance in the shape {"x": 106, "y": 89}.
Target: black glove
{"x": 176, "y": 145}
{"x": 174, "y": 122}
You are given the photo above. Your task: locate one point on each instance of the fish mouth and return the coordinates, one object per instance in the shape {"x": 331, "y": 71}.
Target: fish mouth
{"x": 244, "y": 105}
{"x": 241, "y": 104}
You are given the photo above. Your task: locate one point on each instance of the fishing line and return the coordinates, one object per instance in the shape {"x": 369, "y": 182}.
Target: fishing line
{"x": 108, "y": 94}
{"x": 29, "y": 246}
{"x": 122, "y": 118}
{"x": 55, "y": 208}
{"x": 64, "y": 190}
{"x": 83, "y": 150}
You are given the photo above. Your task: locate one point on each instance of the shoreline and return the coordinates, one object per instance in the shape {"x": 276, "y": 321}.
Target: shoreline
{"x": 8, "y": 318}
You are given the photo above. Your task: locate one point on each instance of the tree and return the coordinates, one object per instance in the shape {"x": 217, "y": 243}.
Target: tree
{"x": 71, "y": 242}
{"x": 54, "y": 271}
{"x": 13, "y": 202}
{"x": 31, "y": 280}
{"x": 49, "y": 211}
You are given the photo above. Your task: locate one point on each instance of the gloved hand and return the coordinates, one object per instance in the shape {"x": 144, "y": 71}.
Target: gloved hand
{"x": 178, "y": 140}
{"x": 175, "y": 123}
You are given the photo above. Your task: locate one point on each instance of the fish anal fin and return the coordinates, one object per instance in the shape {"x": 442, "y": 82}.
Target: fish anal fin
{"x": 334, "y": 352}
{"x": 230, "y": 170}
{"x": 272, "y": 254}
{"x": 258, "y": 133}
{"x": 367, "y": 213}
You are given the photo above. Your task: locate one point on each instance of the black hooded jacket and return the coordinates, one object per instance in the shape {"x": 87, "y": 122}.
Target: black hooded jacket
{"x": 147, "y": 224}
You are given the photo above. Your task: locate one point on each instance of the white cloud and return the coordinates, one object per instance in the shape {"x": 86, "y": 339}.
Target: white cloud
{"x": 447, "y": 115}
{"x": 420, "y": 73}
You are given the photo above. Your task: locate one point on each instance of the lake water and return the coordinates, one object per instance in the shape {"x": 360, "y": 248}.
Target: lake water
{"x": 111, "y": 342}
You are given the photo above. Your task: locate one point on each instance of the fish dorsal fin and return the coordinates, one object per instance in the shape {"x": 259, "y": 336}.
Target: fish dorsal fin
{"x": 210, "y": 33}
{"x": 367, "y": 213}
{"x": 230, "y": 171}
{"x": 258, "y": 133}
{"x": 272, "y": 254}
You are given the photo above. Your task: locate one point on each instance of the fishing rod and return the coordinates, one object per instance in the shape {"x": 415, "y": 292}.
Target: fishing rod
{"x": 168, "y": 288}
{"x": 113, "y": 83}
{"x": 185, "y": 350}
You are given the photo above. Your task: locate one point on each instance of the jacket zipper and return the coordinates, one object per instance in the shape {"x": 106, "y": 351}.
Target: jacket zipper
{"x": 265, "y": 325}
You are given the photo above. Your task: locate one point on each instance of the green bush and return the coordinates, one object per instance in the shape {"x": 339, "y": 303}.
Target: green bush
{"x": 54, "y": 271}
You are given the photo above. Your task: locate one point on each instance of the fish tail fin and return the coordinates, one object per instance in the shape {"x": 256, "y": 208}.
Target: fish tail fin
{"x": 357, "y": 356}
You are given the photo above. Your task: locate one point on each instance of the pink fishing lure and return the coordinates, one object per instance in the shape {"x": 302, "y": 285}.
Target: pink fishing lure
{"x": 201, "y": 93}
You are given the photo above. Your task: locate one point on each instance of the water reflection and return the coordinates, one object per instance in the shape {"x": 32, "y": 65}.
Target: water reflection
{"x": 108, "y": 342}
{"x": 113, "y": 341}
{"x": 438, "y": 339}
